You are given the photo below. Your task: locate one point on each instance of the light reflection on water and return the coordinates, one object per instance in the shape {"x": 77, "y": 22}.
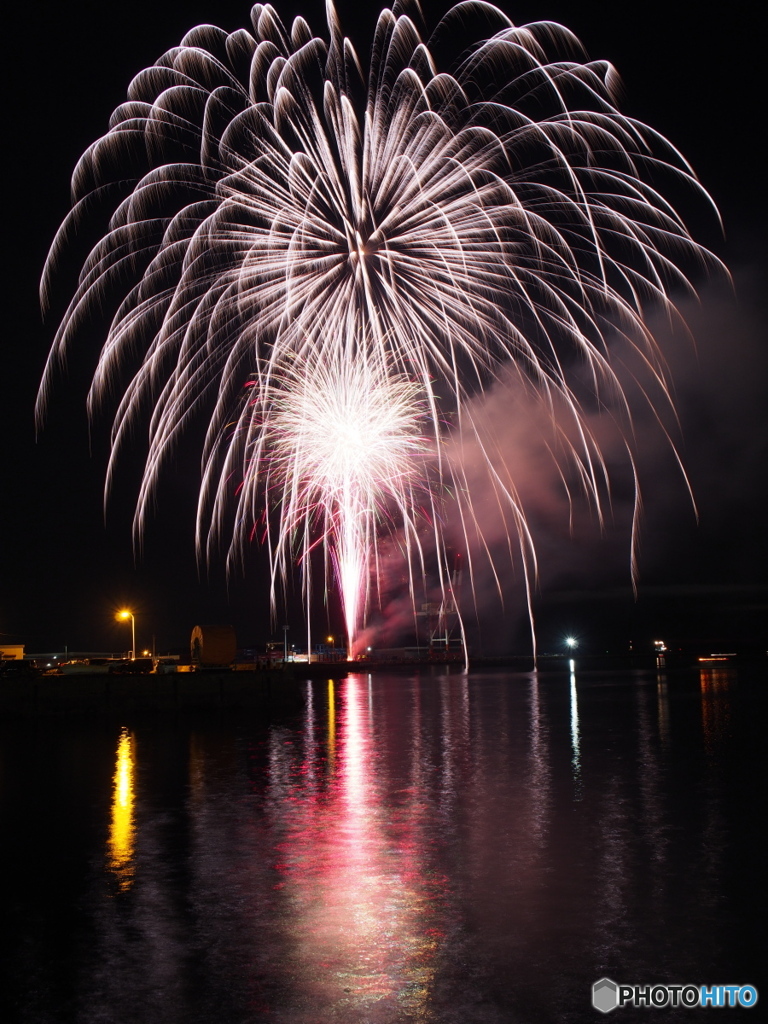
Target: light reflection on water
{"x": 715, "y": 683}
{"x": 122, "y": 829}
{"x": 360, "y": 903}
{"x": 575, "y": 741}
{"x": 440, "y": 849}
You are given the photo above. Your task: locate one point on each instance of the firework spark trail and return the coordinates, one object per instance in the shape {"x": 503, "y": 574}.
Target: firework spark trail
{"x": 287, "y": 217}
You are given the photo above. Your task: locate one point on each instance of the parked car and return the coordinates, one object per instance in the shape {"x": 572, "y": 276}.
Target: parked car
{"x": 137, "y": 667}
{"x": 18, "y": 669}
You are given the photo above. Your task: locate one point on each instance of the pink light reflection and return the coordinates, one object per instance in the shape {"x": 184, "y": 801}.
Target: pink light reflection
{"x": 363, "y": 906}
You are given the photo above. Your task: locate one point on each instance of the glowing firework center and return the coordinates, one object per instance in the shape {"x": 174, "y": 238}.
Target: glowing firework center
{"x": 345, "y": 451}
{"x": 367, "y": 246}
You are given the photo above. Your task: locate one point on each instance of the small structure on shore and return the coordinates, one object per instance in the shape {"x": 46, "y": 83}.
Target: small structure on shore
{"x": 11, "y": 652}
{"x": 213, "y": 646}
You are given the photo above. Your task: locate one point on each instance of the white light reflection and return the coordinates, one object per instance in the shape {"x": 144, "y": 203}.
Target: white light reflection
{"x": 539, "y": 767}
{"x": 575, "y": 747}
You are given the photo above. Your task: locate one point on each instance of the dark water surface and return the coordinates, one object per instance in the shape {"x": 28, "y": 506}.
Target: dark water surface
{"x": 432, "y": 848}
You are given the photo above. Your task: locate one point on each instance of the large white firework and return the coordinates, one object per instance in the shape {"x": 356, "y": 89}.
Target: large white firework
{"x": 300, "y": 241}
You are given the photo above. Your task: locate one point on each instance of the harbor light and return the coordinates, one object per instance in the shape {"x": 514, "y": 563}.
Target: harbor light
{"x": 123, "y": 616}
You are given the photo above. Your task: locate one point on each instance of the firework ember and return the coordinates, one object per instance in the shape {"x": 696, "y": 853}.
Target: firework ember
{"x": 330, "y": 257}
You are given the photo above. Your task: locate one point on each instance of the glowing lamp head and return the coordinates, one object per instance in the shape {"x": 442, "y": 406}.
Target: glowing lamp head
{"x": 571, "y": 642}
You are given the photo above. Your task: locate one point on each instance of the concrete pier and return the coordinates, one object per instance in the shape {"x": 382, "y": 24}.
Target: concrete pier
{"x": 87, "y": 693}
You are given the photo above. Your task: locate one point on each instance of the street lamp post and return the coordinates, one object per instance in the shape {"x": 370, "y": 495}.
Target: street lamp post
{"x": 126, "y": 614}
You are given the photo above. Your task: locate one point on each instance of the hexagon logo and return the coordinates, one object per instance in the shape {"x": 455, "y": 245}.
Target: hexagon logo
{"x": 605, "y": 995}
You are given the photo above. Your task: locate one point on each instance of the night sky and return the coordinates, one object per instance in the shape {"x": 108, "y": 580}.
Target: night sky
{"x": 64, "y": 569}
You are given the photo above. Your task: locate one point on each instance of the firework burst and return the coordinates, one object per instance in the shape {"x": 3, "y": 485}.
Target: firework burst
{"x": 343, "y": 449}
{"x": 328, "y": 258}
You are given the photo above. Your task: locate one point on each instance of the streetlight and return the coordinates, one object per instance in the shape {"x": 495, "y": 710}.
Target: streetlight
{"x": 123, "y": 616}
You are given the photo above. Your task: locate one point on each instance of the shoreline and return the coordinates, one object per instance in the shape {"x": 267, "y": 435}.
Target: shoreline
{"x": 281, "y": 686}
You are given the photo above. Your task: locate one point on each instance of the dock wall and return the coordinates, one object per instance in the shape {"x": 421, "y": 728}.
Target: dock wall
{"x": 84, "y": 693}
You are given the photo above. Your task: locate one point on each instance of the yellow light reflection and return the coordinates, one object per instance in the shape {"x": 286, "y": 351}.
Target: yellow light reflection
{"x": 331, "y": 721}
{"x": 716, "y": 682}
{"x": 122, "y": 830}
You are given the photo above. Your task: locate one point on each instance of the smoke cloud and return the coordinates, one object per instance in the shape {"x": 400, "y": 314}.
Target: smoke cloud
{"x": 647, "y": 488}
